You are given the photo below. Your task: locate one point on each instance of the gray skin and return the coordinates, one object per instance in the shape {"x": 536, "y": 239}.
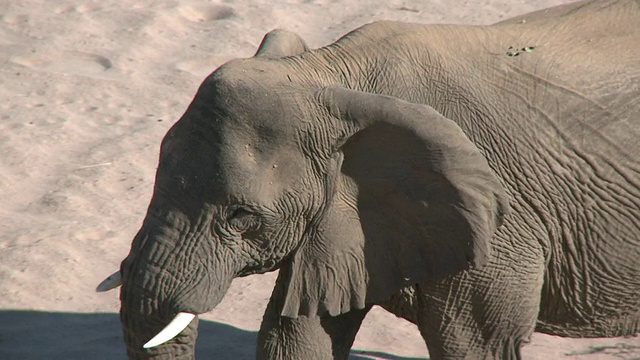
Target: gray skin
{"x": 481, "y": 181}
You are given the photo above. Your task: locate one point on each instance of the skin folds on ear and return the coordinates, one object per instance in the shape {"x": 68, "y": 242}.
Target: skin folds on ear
{"x": 413, "y": 199}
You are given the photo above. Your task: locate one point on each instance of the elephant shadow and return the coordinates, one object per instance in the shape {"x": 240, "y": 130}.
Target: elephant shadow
{"x": 36, "y": 335}
{"x": 378, "y": 355}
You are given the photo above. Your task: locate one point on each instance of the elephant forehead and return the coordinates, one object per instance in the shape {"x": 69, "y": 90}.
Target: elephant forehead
{"x": 252, "y": 130}
{"x": 230, "y": 167}
{"x": 260, "y": 172}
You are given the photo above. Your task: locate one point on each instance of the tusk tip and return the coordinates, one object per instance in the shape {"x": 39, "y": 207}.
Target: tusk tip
{"x": 111, "y": 282}
{"x": 151, "y": 344}
{"x": 175, "y": 327}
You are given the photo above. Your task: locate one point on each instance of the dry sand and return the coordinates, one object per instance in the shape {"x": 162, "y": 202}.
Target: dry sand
{"x": 88, "y": 90}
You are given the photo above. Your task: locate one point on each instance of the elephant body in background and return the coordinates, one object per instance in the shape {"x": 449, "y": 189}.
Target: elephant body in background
{"x": 481, "y": 181}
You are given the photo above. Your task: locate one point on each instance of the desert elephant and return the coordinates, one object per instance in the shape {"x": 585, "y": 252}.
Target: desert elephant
{"x": 480, "y": 181}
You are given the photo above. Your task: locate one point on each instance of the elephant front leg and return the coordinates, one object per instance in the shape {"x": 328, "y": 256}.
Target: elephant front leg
{"x": 309, "y": 337}
{"x": 305, "y": 337}
{"x": 482, "y": 314}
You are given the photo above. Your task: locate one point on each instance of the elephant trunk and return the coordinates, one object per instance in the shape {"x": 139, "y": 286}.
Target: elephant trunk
{"x": 148, "y": 302}
{"x": 145, "y": 305}
{"x": 161, "y": 278}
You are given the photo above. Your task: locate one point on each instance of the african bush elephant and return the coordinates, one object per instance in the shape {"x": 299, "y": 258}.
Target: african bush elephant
{"x": 480, "y": 181}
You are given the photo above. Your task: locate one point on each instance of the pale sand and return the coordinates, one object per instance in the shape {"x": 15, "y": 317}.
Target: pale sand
{"x": 87, "y": 92}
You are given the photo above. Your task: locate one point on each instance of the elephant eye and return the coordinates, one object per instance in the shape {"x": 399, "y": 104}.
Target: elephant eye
{"x": 242, "y": 219}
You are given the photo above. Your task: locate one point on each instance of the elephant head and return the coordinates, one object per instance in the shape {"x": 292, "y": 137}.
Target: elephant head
{"x": 354, "y": 195}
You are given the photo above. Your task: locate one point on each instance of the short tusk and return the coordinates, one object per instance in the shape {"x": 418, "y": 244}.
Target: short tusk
{"x": 113, "y": 281}
{"x": 175, "y": 327}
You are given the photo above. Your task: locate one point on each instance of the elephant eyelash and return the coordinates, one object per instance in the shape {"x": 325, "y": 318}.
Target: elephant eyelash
{"x": 243, "y": 219}
{"x": 239, "y": 212}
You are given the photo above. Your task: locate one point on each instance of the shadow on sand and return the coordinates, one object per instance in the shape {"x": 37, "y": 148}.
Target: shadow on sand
{"x": 31, "y": 335}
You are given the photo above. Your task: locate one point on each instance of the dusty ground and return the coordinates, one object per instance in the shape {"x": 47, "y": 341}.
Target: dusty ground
{"x": 88, "y": 90}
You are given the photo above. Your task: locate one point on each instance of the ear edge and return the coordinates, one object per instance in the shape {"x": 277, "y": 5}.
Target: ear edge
{"x": 280, "y": 43}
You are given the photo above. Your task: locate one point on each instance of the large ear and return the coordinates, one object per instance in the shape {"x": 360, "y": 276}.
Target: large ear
{"x": 281, "y": 43}
{"x": 410, "y": 198}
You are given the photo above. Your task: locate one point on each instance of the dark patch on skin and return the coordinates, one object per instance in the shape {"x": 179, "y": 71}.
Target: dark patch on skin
{"x": 514, "y": 51}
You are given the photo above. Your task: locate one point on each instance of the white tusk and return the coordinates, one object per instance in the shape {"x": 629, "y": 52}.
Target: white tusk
{"x": 113, "y": 281}
{"x": 175, "y": 327}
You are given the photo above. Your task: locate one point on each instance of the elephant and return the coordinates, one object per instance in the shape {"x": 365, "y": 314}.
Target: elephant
{"x": 482, "y": 182}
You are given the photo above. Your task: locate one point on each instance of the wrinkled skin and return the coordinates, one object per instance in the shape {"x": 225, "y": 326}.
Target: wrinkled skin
{"x": 492, "y": 191}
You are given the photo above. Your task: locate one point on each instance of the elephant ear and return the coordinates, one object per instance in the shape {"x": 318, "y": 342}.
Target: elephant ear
{"x": 281, "y": 43}
{"x": 410, "y": 197}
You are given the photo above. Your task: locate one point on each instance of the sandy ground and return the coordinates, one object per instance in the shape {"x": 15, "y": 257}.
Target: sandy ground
{"x": 88, "y": 89}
